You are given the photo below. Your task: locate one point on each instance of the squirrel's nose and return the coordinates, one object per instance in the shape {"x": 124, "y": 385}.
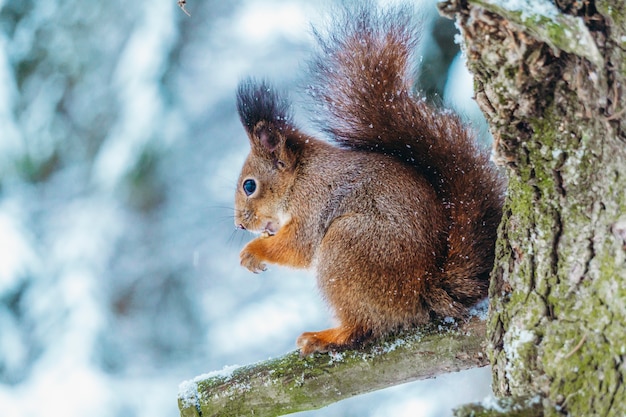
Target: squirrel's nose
{"x": 241, "y": 227}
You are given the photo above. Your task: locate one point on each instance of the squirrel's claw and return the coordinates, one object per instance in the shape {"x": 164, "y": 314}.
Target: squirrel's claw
{"x": 309, "y": 343}
{"x": 325, "y": 340}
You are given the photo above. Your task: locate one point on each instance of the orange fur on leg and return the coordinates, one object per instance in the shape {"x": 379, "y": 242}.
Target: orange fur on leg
{"x": 280, "y": 249}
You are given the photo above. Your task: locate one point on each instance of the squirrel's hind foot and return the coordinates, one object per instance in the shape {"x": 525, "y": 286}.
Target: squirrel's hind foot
{"x": 327, "y": 340}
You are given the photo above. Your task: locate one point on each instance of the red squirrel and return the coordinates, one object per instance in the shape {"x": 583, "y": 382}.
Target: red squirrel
{"x": 397, "y": 213}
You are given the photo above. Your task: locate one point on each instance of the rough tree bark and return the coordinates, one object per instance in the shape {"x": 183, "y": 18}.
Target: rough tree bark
{"x": 550, "y": 79}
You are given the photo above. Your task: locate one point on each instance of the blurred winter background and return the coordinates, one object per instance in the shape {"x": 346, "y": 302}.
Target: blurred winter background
{"x": 119, "y": 152}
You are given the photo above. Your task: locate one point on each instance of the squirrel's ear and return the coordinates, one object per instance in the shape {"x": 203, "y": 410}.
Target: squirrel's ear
{"x": 270, "y": 141}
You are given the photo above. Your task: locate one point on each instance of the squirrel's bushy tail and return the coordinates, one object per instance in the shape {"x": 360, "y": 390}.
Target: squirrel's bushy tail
{"x": 361, "y": 79}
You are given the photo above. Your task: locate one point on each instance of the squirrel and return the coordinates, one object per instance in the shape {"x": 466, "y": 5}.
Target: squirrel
{"x": 397, "y": 213}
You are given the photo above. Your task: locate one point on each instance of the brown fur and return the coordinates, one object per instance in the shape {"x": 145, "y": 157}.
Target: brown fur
{"x": 399, "y": 218}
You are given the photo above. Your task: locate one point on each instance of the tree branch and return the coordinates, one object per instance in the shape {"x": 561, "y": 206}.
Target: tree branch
{"x": 547, "y": 23}
{"x": 503, "y": 407}
{"x": 290, "y": 383}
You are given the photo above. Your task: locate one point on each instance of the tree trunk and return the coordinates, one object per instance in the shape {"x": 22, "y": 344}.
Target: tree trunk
{"x": 550, "y": 80}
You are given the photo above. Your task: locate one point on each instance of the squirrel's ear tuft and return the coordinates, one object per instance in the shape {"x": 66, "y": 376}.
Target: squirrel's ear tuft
{"x": 258, "y": 101}
{"x": 265, "y": 113}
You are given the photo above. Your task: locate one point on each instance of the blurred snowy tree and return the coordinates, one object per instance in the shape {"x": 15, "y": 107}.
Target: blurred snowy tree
{"x": 119, "y": 146}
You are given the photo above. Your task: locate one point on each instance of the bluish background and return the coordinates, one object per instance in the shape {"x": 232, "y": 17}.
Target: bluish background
{"x": 119, "y": 152}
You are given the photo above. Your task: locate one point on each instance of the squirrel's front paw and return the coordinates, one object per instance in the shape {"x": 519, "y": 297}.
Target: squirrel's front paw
{"x": 250, "y": 261}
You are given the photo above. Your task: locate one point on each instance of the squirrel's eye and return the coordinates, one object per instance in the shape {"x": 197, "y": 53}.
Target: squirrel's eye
{"x": 249, "y": 187}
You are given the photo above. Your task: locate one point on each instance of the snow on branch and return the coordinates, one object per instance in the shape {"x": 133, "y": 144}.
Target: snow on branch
{"x": 544, "y": 21}
{"x": 291, "y": 383}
